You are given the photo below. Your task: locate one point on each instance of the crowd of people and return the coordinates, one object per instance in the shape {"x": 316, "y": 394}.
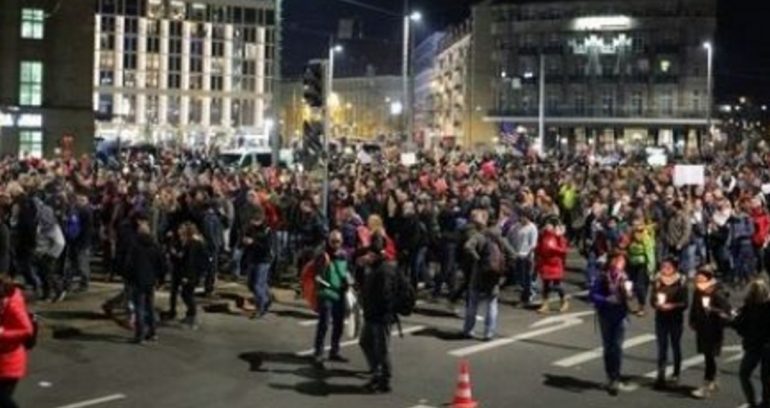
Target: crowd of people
{"x": 454, "y": 226}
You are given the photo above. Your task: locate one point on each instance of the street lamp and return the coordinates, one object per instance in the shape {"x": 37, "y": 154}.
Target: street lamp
{"x": 709, "y": 84}
{"x": 333, "y": 49}
{"x": 409, "y": 18}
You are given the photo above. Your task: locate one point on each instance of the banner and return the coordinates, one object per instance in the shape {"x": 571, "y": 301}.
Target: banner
{"x": 689, "y": 175}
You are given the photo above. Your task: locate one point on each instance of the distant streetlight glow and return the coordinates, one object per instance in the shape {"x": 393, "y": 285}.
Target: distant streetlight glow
{"x": 529, "y": 75}
{"x": 396, "y": 108}
{"x": 707, "y": 45}
{"x": 415, "y": 16}
{"x": 337, "y": 48}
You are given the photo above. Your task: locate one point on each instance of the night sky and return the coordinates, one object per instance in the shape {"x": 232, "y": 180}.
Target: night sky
{"x": 742, "y": 52}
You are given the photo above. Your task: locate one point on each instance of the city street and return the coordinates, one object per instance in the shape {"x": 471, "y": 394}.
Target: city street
{"x": 231, "y": 361}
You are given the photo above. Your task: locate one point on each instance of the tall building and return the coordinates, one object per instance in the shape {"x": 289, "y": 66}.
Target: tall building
{"x": 45, "y": 79}
{"x": 194, "y": 71}
{"x": 451, "y": 100}
{"x": 425, "y": 81}
{"x": 616, "y": 73}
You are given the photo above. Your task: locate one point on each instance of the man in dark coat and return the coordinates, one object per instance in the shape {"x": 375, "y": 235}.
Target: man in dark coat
{"x": 144, "y": 265}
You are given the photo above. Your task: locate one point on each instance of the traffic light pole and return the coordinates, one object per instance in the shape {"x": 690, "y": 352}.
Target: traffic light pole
{"x": 327, "y": 129}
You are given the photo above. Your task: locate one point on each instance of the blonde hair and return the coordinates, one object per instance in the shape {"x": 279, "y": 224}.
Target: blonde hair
{"x": 375, "y": 223}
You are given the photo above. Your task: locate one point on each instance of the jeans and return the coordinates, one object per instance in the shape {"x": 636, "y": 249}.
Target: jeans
{"x": 744, "y": 261}
{"x": 724, "y": 263}
{"x": 259, "y": 276}
{"x": 237, "y": 256}
{"x": 448, "y": 268}
{"x": 593, "y": 266}
{"x": 613, "y": 329}
{"x": 417, "y": 265}
{"x": 211, "y": 269}
{"x": 751, "y": 359}
{"x": 668, "y": 330}
{"x": 552, "y": 285}
{"x": 80, "y": 266}
{"x": 375, "y": 338}
{"x": 32, "y": 279}
{"x": 687, "y": 260}
{"x": 144, "y": 305}
{"x": 523, "y": 269}
{"x": 638, "y": 275}
{"x": 490, "y": 318}
{"x": 334, "y": 309}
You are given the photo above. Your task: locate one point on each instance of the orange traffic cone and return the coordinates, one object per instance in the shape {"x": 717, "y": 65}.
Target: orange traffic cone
{"x": 463, "y": 397}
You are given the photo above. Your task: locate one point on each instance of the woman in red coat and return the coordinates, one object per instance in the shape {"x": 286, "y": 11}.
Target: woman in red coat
{"x": 550, "y": 255}
{"x": 15, "y": 330}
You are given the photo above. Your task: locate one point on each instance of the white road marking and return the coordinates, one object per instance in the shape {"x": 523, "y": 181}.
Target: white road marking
{"x": 694, "y": 361}
{"x": 422, "y": 406}
{"x": 582, "y": 293}
{"x": 598, "y": 352}
{"x": 560, "y": 318}
{"x": 394, "y": 332}
{"x": 737, "y": 357}
{"x": 308, "y": 323}
{"x": 95, "y": 401}
{"x": 466, "y": 351}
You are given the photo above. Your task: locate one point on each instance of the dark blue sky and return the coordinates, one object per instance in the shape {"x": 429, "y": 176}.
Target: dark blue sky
{"x": 742, "y": 53}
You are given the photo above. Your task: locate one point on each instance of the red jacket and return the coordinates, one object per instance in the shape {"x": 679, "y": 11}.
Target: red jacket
{"x": 551, "y": 253}
{"x": 761, "y": 226}
{"x": 16, "y": 329}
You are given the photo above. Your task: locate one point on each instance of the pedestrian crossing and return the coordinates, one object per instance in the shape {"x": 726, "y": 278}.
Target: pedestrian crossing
{"x": 596, "y": 353}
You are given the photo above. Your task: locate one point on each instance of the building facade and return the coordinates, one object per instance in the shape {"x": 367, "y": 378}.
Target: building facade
{"x": 425, "y": 81}
{"x": 45, "y": 81}
{"x": 365, "y": 107}
{"x": 195, "y": 72}
{"x": 616, "y": 73}
{"x": 452, "y": 89}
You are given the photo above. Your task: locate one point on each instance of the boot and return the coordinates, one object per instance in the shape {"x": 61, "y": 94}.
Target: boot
{"x": 545, "y": 308}
{"x": 564, "y": 306}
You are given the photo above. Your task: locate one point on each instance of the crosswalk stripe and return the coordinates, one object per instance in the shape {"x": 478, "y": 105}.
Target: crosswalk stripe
{"x": 694, "y": 361}
{"x": 408, "y": 330}
{"x": 597, "y": 352}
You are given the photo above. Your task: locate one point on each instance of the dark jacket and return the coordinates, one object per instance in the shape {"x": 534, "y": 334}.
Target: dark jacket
{"x": 676, "y": 294}
{"x": 483, "y": 280}
{"x": 85, "y": 238}
{"x": 195, "y": 260}
{"x": 260, "y": 250}
{"x": 26, "y": 226}
{"x": 709, "y": 325}
{"x": 378, "y": 293}
{"x": 751, "y": 323}
{"x": 145, "y": 263}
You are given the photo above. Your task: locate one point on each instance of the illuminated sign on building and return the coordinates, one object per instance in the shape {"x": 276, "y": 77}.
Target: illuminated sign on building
{"x": 602, "y": 23}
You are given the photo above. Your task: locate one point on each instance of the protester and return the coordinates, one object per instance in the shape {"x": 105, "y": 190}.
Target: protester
{"x": 333, "y": 280}
{"x": 489, "y": 252}
{"x": 15, "y": 330}
{"x": 709, "y": 314}
{"x": 669, "y": 298}
{"x": 257, "y": 260}
{"x": 194, "y": 263}
{"x": 610, "y": 293}
{"x": 751, "y": 323}
{"x": 551, "y": 254}
{"x": 145, "y": 264}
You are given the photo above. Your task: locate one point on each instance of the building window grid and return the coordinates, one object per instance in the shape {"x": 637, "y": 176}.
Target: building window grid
{"x": 32, "y": 23}
{"x": 30, "y": 143}
{"x": 31, "y": 83}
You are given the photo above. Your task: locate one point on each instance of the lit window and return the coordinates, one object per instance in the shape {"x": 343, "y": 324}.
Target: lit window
{"x": 32, "y": 23}
{"x": 31, "y": 83}
{"x": 665, "y": 66}
{"x": 30, "y": 143}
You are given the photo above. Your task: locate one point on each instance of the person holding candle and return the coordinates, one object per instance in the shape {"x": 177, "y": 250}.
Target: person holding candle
{"x": 669, "y": 299}
{"x": 609, "y": 294}
{"x": 709, "y": 314}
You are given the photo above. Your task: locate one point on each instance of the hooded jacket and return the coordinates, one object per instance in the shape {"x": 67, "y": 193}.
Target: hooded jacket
{"x": 551, "y": 254}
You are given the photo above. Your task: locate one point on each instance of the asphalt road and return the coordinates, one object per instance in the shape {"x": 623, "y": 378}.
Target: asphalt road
{"x": 84, "y": 359}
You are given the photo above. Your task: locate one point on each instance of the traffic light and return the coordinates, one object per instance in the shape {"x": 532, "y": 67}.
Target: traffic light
{"x": 312, "y": 142}
{"x": 313, "y": 85}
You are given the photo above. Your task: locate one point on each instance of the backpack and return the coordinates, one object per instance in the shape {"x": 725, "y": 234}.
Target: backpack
{"x": 405, "y": 297}
{"x": 72, "y": 226}
{"x": 493, "y": 259}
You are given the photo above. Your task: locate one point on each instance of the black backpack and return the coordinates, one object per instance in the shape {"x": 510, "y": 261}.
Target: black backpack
{"x": 405, "y": 297}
